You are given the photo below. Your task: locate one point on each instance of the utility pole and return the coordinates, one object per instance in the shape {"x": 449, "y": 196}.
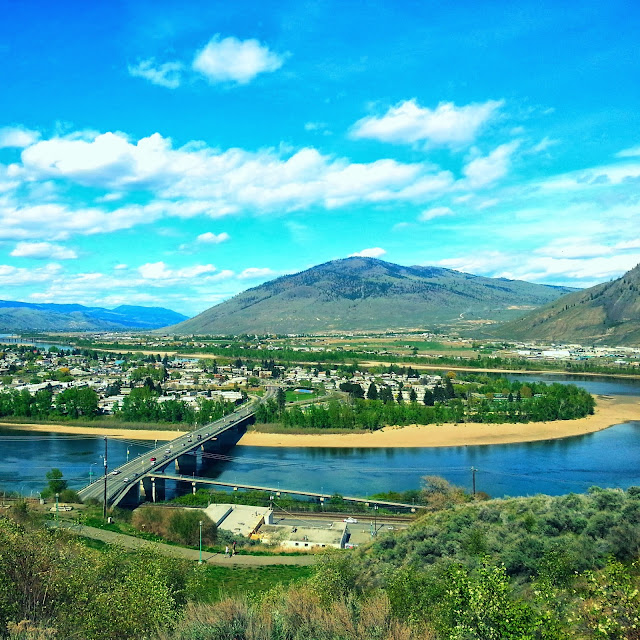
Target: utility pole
{"x": 104, "y": 504}
{"x": 473, "y": 475}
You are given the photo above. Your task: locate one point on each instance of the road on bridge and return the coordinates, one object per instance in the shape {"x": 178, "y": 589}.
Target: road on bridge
{"x": 123, "y": 478}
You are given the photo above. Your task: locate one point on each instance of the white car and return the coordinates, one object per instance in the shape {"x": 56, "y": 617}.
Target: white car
{"x": 116, "y": 472}
{"x": 350, "y": 520}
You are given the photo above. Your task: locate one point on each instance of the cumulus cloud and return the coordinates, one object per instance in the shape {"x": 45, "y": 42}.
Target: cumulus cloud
{"x": 233, "y": 60}
{"x": 43, "y": 251}
{"x": 485, "y": 170}
{"x": 195, "y": 181}
{"x": 168, "y": 74}
{"x": 446, "y": 125}
{"x": 373, "y": 252}
{"x": 435, "y": 212}
{"x": 18, "y": 137}
{"x": 212, "y": 238}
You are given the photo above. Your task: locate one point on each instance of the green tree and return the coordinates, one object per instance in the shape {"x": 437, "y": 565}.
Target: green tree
{"x": 56, "y": 483}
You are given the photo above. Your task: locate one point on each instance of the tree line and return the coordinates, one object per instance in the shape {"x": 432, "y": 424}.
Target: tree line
{"x": 498, "y": 401}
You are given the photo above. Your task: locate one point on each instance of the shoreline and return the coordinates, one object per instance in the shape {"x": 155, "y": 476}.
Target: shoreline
{"x": 609, "y": 411}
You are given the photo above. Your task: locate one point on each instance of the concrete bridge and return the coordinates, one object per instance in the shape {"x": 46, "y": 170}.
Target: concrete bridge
{"x": 126, "y": 479}
{"x": 158, "y": 480}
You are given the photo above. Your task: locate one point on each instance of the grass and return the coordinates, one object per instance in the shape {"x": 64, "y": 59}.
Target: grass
{"x": 292, "y": 396}
{"x": 221, "y": 582}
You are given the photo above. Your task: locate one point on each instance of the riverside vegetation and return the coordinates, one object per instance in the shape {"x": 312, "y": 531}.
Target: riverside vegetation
{"x": 547, "y": 568}
{"x": 476, "y": 399}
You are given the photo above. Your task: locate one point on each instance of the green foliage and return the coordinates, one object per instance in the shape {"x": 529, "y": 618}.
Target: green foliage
{"x": 484, "y": 400}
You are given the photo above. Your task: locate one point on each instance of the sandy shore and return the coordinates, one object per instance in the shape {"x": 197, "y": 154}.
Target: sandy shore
{"x": 128, "y": 434}
{"x": 610, "y": 410}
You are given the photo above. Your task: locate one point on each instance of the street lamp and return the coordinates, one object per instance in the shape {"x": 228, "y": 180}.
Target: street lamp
{"x": 57, "y": 495}
{"x": 200, "y": 561}
{"x": 91, "y": 472}
{"x": 375, "y": 519}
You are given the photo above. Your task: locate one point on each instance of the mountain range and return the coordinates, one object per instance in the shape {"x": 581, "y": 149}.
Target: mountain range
{"x": 369, "y": 294}
{"x": 608, "y": 313}
{"x": 27, "y": 316}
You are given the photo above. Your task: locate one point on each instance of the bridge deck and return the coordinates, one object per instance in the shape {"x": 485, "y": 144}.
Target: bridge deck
{"x": 310, "y": 494}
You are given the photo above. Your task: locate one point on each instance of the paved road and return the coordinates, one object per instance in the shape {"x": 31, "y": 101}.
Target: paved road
{"x": 130, "y": 542}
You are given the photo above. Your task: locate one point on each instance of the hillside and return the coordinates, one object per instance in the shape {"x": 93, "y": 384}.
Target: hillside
{"x": 26, "y": 316}
{"x": 369, "y": 294}
{"x": 608, "y": 313}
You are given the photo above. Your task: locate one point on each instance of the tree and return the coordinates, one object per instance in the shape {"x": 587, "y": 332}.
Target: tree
{"x": 281, "y": 399}
{"x": 413, "y": 396}
{"x": 372, "y": 392}
{"x": 56, "y": 484}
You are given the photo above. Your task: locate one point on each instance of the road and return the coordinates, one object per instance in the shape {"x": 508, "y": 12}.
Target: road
{"x": 130, "y": 542}
{"x": 121, "y": 479}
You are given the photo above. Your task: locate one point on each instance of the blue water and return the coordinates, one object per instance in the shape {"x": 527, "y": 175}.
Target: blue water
{"x": 609, "y": 458}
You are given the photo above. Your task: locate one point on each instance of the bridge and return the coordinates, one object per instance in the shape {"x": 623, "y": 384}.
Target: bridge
{"x": 195, "y": 480}
{"x": 122, "y": 480}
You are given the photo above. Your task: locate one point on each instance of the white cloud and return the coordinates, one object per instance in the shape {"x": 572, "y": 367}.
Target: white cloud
{"x": 516, "y": 265}
{"x": 233, "y": 60}
{"x": 544, "y": 144}
{"x": 121, "y": 266}
{"x": 373, "y": 252}
{"x": 160, "y": 271}
{"x": 255, "y": 272}
{"x": 485, "y": 170}
{"x": 632, "y": 152}
{"x": 19, "y": 276}
{"x": 43, "y": 250}
{"x": 168, "y": 74}
{"x": 446, "y": 125}
{"x": 212, "y": 238}
{"x": 18, "y": 137}
{"x": 204, "y": 181}
{"x": 436, "y": 212}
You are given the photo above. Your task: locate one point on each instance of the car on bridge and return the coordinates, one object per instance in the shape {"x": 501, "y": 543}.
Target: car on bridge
{"x": 152, "y": 459}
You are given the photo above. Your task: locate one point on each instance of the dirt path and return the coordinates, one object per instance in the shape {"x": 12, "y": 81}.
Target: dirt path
{"x": 129, "y": 542}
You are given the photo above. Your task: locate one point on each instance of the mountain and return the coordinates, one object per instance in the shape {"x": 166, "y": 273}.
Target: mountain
{"x": 27, "y": 316}
{"x": 368, "y": 294}
{"x": 608, "y": 313}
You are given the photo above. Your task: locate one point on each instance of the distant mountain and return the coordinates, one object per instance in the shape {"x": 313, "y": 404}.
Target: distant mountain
{"x": 368, "y": 294}
{"x": 608, "y": 313}
{"x": 27, "y": 316}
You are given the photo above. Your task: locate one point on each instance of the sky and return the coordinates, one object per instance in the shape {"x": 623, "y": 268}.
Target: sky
{"x": 175, "y": 154}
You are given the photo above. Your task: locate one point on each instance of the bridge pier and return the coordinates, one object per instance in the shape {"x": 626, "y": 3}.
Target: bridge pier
{"x": 154, "y": 488}
{"x": 186, "y": 465}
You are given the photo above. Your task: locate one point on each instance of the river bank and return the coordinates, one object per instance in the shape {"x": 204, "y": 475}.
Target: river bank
{"x": 610, "y": 410}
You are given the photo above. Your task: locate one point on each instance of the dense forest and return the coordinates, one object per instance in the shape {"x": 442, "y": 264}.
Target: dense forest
{"x": 540, "y": 568}
{"x": 479, "y": 399}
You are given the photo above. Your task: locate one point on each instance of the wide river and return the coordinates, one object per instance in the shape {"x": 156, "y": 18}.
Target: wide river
{"x": 609, "y": 458}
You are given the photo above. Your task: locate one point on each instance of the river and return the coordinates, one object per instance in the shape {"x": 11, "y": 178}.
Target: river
{"x": 609, "y": 458}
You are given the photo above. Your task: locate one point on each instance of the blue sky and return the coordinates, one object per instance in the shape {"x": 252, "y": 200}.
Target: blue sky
{"x": 170, "y": 154}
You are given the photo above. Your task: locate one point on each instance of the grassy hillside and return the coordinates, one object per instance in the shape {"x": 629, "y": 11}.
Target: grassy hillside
{"x": 538, "y": 568}
{"x": 368, "y": 294}
{"x": 608, "y": 313}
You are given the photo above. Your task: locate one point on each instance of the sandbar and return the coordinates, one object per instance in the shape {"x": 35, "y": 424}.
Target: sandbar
{"x": 127, "y": 434}
{"x": 610, "y": 410}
